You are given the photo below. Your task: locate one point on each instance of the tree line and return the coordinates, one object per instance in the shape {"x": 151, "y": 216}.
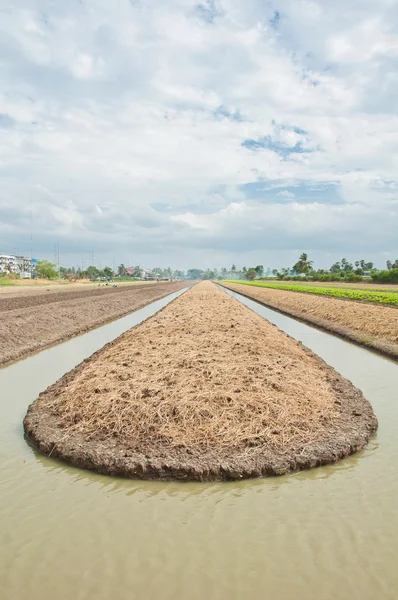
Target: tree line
{"x": 303, "y": 268}
{"x": 342, "y": 270}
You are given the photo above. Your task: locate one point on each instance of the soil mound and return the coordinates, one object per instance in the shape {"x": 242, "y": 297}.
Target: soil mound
{"x": 204, "y": 390}
{"x": 368, "y": 325}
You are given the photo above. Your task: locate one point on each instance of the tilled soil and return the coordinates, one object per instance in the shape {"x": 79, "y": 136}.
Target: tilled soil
{"x": 41, "y": 321}
{"x": 375, "y": 327}
{"x": 36, "y": 298}
{"x": 204, "y": 390}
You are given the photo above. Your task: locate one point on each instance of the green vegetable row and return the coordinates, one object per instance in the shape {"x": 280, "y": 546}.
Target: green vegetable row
{"x": 390, "y": 299}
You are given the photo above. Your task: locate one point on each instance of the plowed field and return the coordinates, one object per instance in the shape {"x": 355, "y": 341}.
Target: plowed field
{"x": 30, "y": 322}
{"x": 370, "y": 325}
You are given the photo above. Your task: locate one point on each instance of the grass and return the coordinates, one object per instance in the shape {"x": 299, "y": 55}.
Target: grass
{"x": 387, "y": 298}
{"x": 5, "y": 282}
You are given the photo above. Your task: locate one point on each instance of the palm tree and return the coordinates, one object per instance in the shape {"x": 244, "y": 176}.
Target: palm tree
{"x": 303, "y": 265}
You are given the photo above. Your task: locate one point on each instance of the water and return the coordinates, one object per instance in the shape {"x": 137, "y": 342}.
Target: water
{"x": 326, "y": 534}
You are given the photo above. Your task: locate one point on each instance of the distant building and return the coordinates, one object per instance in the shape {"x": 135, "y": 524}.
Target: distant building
{"x": 142, "y": 273}
{"x": 25, "y": 266}
{"x": 7, "y": 263}
{"x": 20, "y": 265}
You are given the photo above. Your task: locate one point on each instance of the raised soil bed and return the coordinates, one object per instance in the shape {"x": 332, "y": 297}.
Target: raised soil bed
{"x": 375, "y": 327}
{"x": 204, "y": 390}
{"x": 38, "y": 321}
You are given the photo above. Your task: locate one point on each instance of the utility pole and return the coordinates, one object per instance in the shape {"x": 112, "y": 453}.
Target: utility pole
{"x": 31, "y": 237}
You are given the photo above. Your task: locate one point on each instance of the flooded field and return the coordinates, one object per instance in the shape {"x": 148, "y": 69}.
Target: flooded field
{"x": 318, "y": 535}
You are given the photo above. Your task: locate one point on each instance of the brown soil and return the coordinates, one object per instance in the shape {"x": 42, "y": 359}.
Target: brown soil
{"x": 35, "y": 299}
{"x": 375, "y": 327}
{"x": 204, "y": 390}
{"x": 40, "y": 321}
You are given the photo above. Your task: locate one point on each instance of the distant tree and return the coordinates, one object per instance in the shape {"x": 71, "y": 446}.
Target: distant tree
{"x": 108, "y": 272}
{"x": 46, "y": 270}
{"x": 251, "y": 274}
{"x": 335, "y": 268}
{"x": 138, "y": 272}
{"x": 92, "y": 272}
{"x": 389, "y": 265}
{"x": 209, "y": 274}
{"x": 178, "y": 274}
{"x": 121, "y": 270}
{"x": 233, "y": 269}
{"x": 346, "y": 266}
{"x": 275, "y": 272}
{"x": 195, "y": 274}
{"x": 259, "y": 270}
{"x": 303, "y": 265}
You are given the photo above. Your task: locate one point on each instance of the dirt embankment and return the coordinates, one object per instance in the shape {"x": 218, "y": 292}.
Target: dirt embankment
{"x": 204, "y": 390}
{"x": 40, "y": 321}
{"x": 375, "y": 327}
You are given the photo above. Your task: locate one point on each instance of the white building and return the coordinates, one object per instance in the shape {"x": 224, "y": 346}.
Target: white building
{"x": 25, "y": 266}
{"x": 21, "y": 265}
{"x": 7, "y": 263}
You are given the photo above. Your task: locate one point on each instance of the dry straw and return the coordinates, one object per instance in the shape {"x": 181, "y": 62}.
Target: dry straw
{"x": 205, "y": 373}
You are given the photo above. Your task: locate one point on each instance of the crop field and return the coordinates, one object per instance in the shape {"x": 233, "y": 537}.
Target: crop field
{"x": 369, "y": 324}
{"x": 362, "y": 285}
{"x": 35, "y": 319}
{"x": 376, "y": 297}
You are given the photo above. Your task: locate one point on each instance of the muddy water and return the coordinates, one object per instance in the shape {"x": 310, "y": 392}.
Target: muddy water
{"x": 326, "y": 534}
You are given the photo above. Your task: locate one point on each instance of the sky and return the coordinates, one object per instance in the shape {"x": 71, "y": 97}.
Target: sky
{"x": 199, "y": 134}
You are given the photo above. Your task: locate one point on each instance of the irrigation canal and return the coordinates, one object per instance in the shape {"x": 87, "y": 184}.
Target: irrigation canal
{"x": 322, "y": 534}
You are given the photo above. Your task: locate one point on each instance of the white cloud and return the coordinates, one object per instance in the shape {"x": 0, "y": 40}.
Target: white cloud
{"x": 142, "y": 106}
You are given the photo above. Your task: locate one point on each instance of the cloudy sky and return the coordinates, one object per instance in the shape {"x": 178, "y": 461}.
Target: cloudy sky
{"x": 190, "y": 133}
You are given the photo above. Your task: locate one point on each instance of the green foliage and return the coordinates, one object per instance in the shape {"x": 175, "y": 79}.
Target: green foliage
{"x": 108, "y": 272}
{"x": 4, "y": 281}
{"x": 46, "y": 270}
{"x": 388, "y": 298}
{"x": 195, "y": 274}
{"x": 92, "y": 272}
{"x": 303, "y": 265}
{"x": 121, "y": 270}
{"x": 251, "y": 274}
{"x": 390, "y": 276}
{"x": 392, "y": 265}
